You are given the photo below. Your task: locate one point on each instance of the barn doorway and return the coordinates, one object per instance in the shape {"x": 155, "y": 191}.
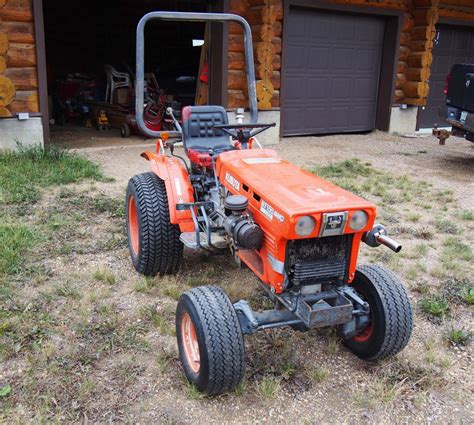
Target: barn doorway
{"x": 90, "y": 61}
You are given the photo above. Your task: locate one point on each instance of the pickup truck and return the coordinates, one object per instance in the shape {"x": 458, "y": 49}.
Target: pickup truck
{"x": 459, "y": 110}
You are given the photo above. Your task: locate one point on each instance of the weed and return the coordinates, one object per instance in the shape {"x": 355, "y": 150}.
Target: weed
{"x": 157, "y": 319}
{"x": 413, "y": 217}
{"x": 458, "y": 291}
{"x": 454, "y": 249}
{"x": 405, "y": 373}
{"x": 67, "y": 290}
{"x": 435, "y": 305}
{"x": 467, "y": 215}
{"x": 318, "y": 374}
{"x": 413, "y": 272}
{"x": 66, "y": 193}
{"x": 458, "y": 336}
{"x": 268, "y": 387}
{"x": 104, "y": 276}
{"x": 113, "y": 206}
{"x": 423, "y": 233}
{"x": 172, "y": 292}
{"x": 380, "y": 390}
{"x": 241, "y": 389}
{"x": 163, "y": 359}
{"x": 191, "y": 391}
{"x": 446, "y": 226}
{"x": 422, "y": 287}
{"x": 86, "y": 389}
{"x": 332, "y": 342}
{"x": 5, "y": 390}
{"x": 145, "y": 285}
{"x": 468, "y": 295}
{"x": 444, "y": 196}
{"x": 24, "y": 171}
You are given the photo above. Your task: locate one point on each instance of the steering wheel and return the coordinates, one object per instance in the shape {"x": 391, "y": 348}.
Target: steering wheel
{"x": 242, "y": 132}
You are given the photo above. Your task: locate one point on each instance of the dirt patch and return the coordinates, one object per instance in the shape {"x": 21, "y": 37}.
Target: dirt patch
{"x": 89, "y": 339}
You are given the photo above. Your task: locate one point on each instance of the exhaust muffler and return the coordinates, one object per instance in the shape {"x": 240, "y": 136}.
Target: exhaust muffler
{"x": 379, "y": 236}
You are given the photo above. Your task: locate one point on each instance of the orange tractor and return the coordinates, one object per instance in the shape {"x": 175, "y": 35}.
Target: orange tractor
{"x": 298, "y": 233}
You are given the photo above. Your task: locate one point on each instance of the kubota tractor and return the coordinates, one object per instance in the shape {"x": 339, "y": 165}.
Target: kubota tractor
{"x": 298, "y": 233}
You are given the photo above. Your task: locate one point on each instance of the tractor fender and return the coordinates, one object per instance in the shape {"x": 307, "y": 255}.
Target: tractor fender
{"x": 178, "y": 187}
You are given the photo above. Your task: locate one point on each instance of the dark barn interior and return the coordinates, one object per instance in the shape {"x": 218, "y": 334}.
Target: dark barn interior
{"x": 84, "y": 37}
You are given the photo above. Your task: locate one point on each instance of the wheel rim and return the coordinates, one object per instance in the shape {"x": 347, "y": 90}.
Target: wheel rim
{"x": 190, "y": 343}
{"x": 365, "y": 334}
{"x": 133, "y": 224}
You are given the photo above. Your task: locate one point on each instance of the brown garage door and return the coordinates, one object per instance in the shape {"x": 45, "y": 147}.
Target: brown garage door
{"x": 452, "y": 45}
{"x": 331, "y": 72}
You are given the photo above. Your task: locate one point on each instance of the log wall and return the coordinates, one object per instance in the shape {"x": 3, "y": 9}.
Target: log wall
{"x": 18, "y": 73}
{"x": 265, "y": 18}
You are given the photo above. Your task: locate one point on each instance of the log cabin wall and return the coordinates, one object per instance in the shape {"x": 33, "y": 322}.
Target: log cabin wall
{"x": 265, "y": 18}
{"x": 415, "y": 51}
{"x": 18, "y": 70}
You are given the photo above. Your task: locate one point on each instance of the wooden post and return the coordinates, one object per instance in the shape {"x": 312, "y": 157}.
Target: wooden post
{"x": 202, "y": 87}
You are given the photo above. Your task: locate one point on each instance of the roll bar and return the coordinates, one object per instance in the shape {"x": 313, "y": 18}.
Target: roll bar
{"x": 195, "y": 17}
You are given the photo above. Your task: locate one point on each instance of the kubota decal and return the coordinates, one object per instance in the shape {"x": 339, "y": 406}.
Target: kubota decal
{"x": 232, "y": 181}
{"x": 270, "y": 212}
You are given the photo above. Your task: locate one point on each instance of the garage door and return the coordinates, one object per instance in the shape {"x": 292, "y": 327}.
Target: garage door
{"x": 331, "y": 69}
{"x": 452, "y": 45}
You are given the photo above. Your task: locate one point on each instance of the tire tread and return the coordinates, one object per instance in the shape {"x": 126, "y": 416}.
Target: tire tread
{"x": 397, "y": 307}
{"x": 224, "y": 339}
{"x": 161, "y": 250}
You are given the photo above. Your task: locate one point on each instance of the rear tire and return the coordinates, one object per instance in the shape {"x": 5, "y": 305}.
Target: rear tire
{"x": 153, "y": 241}
{"x": 391, "y": 314}
{"x": 210, "y": 341}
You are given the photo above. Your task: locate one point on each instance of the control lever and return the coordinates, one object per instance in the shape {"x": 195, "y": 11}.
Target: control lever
{"x": 169, "y": 111}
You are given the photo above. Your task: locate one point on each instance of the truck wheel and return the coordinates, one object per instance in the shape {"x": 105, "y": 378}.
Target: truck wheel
{"x": 153, "y": 241}
{"x": 391, "y": 312}
{"x": 210, "y": 341}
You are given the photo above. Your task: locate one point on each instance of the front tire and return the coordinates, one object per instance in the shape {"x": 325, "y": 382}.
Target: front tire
{"x": 210, "y": 340}
{"x": 391, "y": 312}
{"x": 153, "y": 241}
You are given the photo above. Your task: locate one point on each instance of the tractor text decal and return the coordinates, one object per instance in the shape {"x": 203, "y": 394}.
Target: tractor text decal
{"x": 269, "y": 212}
{"x": 232, "y": 181}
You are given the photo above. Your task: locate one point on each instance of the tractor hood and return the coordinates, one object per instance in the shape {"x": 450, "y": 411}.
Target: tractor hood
{"x": 288, "y": 189}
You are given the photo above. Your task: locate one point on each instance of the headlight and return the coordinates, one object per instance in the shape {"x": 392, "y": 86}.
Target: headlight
{"x": 305, "y": 226}
{"x": 359, "y": 220}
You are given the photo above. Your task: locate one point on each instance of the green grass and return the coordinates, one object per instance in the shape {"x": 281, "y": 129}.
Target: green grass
{"x": 157, "y": 319}
{"x": 104, "y": 276}
{"x": 67, "y": 290}
{"x": 318, "y": 374}
{"x": 145, "y": 285}
{"x": 15, "y": 241}
{"x": 268, "y": 387}
{"x": 24, "y": 172}
{"x": 454, "y": 249}
{"x": 349, "y": 168}
{"x": 447, "y": 226}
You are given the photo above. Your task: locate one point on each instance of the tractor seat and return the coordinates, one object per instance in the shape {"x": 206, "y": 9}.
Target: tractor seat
{"x": 198, "y": 134}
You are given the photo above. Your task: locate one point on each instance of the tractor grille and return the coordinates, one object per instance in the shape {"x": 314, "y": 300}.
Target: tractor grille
{"x": 318, "y": 260}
